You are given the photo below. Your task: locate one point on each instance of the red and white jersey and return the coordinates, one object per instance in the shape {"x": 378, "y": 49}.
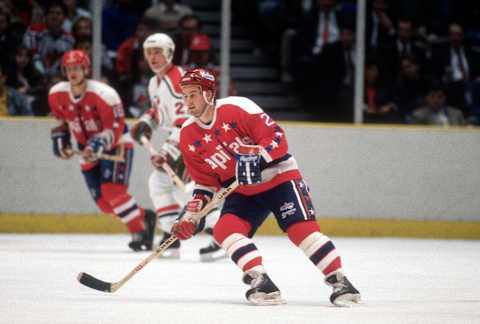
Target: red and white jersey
{"x": 167, "y": 100}
{"x": 209, "y": 150}
{"x": 99, "y": 110}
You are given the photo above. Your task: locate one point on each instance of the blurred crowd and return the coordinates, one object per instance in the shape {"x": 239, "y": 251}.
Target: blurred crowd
{"x": 422, "y": 61}
{"x": 421, "y": 65}
{"x": 34, "y": 35}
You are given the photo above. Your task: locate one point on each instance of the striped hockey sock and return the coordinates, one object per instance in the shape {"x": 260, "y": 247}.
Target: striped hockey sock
{"x": 243, "y": 252}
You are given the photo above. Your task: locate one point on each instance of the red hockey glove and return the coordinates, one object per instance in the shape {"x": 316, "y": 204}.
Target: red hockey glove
{"x": 185, "y": 228}
{"x": 140, "y": 129}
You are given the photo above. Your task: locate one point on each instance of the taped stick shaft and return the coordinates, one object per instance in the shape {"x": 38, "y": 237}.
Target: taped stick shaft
{"x": 115, "y": 158}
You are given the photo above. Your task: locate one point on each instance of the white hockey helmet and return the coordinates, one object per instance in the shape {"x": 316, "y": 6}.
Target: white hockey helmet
{"x": 163, "y": 41}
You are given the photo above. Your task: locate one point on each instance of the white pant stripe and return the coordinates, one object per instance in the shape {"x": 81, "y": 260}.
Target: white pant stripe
{"x": 299, "y": 199}
{"x": 130, "y": 216}
{"x": 125, "y": 206}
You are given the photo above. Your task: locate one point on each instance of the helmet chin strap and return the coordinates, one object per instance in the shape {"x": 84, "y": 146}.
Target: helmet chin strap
{"x": 207, "y": 103}
{"x": 160, "y": 69}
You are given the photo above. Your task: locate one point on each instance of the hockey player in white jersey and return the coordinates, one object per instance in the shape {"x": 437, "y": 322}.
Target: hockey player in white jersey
{"x": 168, "y": 112}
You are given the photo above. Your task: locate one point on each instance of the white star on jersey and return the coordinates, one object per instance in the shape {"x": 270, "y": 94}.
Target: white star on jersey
{"x": 207, "y": 138}
{"x": 274, "y": 144}
{"x": 191, "y": 148}
{"x": 225, "y": 127}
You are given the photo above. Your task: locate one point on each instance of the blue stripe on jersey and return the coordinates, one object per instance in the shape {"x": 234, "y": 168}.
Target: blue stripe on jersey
{"x": 243, "y": 251}
{"x": 322, "y": 252}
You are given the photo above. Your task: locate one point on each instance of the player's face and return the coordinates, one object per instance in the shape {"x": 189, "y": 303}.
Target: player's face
{"x": 75, "y": 74}
{"x": 193, "y": 99}
{"x": 155, "y": 58}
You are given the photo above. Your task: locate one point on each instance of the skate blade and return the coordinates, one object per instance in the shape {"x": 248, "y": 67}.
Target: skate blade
{"x": 210, "y": 257}
{"x": 347, "y": 300}
{"x": 263, "y": 299}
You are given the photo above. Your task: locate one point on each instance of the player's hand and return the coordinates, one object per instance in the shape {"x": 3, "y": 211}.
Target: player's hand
{"x": 159, "y": 158}
{"x": 185, "y": 227}
{"x": 248, "y": 169}
{"x": 140, "y": 129}
{"x": 96, "y": 146}
{"x": 62, "y": 146}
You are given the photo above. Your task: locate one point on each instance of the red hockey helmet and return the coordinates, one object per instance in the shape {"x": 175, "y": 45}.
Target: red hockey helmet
{"x": 76, "y": 58}
{"x": 204, "y": 78}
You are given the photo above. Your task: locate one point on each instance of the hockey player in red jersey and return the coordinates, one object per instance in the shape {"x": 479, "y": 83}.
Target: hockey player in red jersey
{"x": 232, "y": 138}
{"x": 93, "y": 112}
{"x": 168, "y": 112}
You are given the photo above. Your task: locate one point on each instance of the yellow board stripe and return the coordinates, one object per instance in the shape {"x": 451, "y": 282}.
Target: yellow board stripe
{"x": 61, "y": 223}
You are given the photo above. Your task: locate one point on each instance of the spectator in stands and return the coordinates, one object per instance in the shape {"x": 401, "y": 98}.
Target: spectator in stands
{"x": 400, "y": 46}
{"x": 200, "y": 50}
{"x": 73, "y": 13}
{"x": 48, "y": 41}
{"x": 457, "y": 65}
{"x": 339, "y": 72}
{"x": 82, "y": 27}
{"x": 28, "y": 11}
{"x": 167, "y": 15}
{"x": 319, "y": 27}
{"x": 411, "y": 86}
{"x": 123, "y": 62}
{"x": 10, "y": 36}
{"x": 187, "y": 27}
{"x": 436, "y": 112}
{"x": 380, "y": 25}
{"x": 379, "y": 105}
{"x": 107, "y": 69}
{"x": 40, "y": 106}
{"x": 118, "y": 22}
{"x": 134, "y": 87}
{"x": 12, "y": 102}
{"x": 22, "y": 74}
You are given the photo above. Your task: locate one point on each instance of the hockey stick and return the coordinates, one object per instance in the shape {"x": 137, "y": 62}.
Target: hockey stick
{"x": 94, "y": 283}
{"x": 102, "y": 156}
{"x": 165, "y": 165}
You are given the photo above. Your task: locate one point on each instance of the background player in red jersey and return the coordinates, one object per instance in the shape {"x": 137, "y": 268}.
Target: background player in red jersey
{"x": 232, "y": 138}
{"x": 93, "y": 112}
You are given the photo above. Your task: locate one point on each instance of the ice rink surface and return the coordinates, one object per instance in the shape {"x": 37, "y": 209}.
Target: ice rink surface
{"x": 401, "y": 281}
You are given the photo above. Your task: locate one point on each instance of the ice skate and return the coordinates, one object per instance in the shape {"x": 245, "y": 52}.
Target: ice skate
{"x": 212, "y": 252}
{"x": 263, "y": 291}
{"x": 344, "y": 293}
{"x": 173, "y": 251}
{"x": 143, "y": 240}
{"x": 138, "y": 240}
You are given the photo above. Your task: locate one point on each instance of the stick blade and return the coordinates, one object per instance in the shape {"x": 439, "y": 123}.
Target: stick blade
{"x": 94, "y": 283}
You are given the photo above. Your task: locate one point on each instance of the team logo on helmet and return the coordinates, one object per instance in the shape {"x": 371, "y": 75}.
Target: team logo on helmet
{"x": 207, "y": 75}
